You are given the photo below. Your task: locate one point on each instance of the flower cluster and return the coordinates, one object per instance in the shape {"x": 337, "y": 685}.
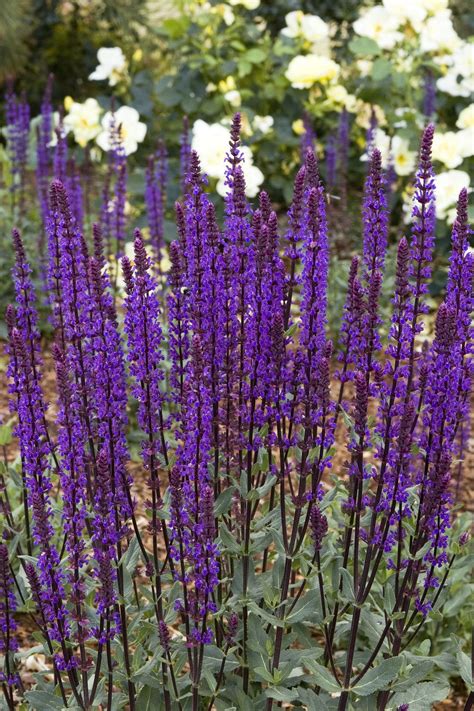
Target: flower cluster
{"x": 214, "y": 388}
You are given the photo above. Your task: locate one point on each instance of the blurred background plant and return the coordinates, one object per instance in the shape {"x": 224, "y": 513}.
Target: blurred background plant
{"x": 335, "y": 75}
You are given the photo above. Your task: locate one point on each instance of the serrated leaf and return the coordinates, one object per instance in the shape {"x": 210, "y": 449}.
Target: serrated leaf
{"x": 421, "y": 697}
{"x": 379, "y": 677}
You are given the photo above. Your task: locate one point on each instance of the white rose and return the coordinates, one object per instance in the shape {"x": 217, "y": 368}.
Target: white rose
{"x": 438, "y": 34}
{"x": 434, "y": 6}
{"x": 448, "y": 187}
{"x": 412, "y": 12}
{"x": 466, "y": 117}
{"x": 263, "y": 123}
{"x": 447, "y": 149}
{"x": 211, "y": 141}
{"x": 253, "y": 179}
{"x": 380, "y": 25}
{"x": 233, "y": 97}
{"x": 248, "y": 4}
{"x": 403, "y": 159}
{"x": 305, "y": 70}
{"x": 310, "y": 27}
{"x": 466, "y": 142}
{"x": 132, "y": 130}
{"x": 382, "y": 142}
{"x": 449, "y": 84}
{"x": 83, "y": 120}
{"x": 112, "y": 65}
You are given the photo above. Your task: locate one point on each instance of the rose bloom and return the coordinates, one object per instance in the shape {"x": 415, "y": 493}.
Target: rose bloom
{"x": 83, "y": 120}
{"x": 403, "y": 159}
{"x": 305, "y": 70}
{"x": 112, "y": 65}
{"x": 132, "y": 130}
{"x": 448, "y": 187}
{"x": 211, "y": 141}
{"x": 447, "y": 149}
{"x": 379, "y": 24}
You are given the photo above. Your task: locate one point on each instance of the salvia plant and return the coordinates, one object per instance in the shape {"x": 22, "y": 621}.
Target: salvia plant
{"x": 220, "y": 507}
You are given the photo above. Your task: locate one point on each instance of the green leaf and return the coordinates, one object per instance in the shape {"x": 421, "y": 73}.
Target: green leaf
{"x": 312, "y": 701}
{"x": 264, "y": 674}
{"x": 279, "y": 693}
{"x": 322, "y": 677}
{"x": 228, "y": 539}
{"x": 415, "y": 673}
{"x": 5, "y": 435}
{"x": 150, "y": 699}
{"x": 255, "y": 55}
{"x": 307, "y": 609}
{"x": 382, "y": 69}
{"x": 421, "y": 697}
{"x": 43, "y": 701}
{"x": 379, "y": 677}
{"x": 224, "y": 500}
{"x": 465, "y": 670}
{"x": 364, "y": 45}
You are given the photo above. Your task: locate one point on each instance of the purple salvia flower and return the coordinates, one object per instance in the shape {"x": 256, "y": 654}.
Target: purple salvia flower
{"x": 315, "y": 274}
{"x": 108, "y": 385}
{"x": 104, "y": 540}
{"x": 43, "y": 151}
{"x": 331, "y": 161}
{"x": 429, "y": 95}
{"x": 72, "y": 439}
{"x": 184, "y": 154}
{"x": 74, "y": 189}
{"x": 375, "y": 218}
{"x": 144, "y": 335}
{"x": 60, "y": 156}
{"x": 318, "y": 525}
{"x": 308, "y": 139}
{"x": 178, "y": 323}
{"x": 17, "y": 112}
{"x": 155, "y": 198}
{"x": 424, "y": 216}
{"x": 343, "y": 143}
{"x": 8, "y": 639}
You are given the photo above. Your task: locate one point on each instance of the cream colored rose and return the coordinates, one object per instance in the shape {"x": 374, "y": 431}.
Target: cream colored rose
{"x": 448, "y": 187}
{"x": 381, "y": 141}
{"x": 211, "y": 141}
{"x": 112, "y": 65}
{"x": 447, "y": 149}
{"x": 263, "y": 123}
{"x": 83, "y": 120}
{"x": 413, "y": 12}
{"x": 402, "y": 158}
{"x": 132, "y": 130}
{"x": 438, "y": 34}
{"x": 305, "y": 70}
{"x": 248, "y": 4}
{"x": 466, "y": 117}
{"x": 380, "y": 25}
